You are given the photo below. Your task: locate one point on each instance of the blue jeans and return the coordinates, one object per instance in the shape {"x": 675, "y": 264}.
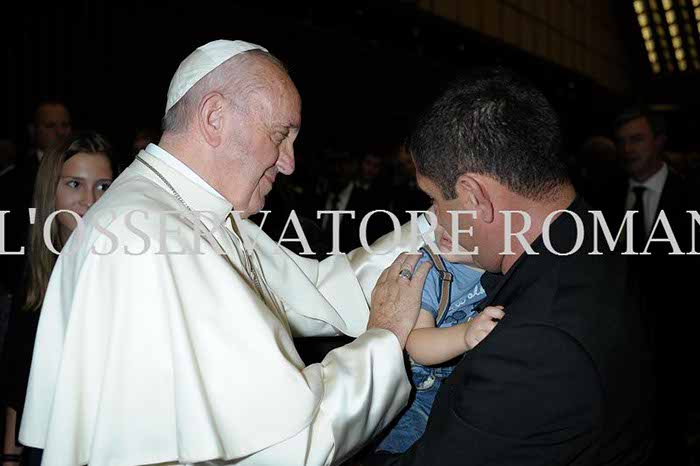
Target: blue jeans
{"x": 411, "y": 425}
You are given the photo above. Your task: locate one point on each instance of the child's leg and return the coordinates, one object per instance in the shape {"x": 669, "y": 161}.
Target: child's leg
{"x": 404, "y": 434}
{"x": 411, "y": 425}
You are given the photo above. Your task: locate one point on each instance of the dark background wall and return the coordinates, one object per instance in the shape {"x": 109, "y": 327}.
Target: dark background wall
{"x": 364, "y": 69}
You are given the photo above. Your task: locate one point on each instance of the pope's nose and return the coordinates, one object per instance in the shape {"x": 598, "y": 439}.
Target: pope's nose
{"x": 285, "y": 164}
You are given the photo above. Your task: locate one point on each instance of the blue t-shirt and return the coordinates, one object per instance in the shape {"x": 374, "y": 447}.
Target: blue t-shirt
{"x": 465, "y": 293}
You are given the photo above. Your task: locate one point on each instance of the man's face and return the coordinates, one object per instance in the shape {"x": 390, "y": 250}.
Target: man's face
{"x": 638, "y": 149}
{"x": 371, "y": 167}
{"x": 52, "y": 125}
{"x": 265, "y": 139}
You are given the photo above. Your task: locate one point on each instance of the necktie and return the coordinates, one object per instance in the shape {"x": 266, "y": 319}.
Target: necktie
{"x": 639, "y": 224}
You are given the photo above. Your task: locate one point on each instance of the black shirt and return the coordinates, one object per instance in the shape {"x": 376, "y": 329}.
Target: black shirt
{"x": 565, "y": 377}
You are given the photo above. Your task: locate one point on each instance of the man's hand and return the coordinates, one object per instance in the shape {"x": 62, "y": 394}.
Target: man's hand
{"x": 481, "y": 325}
{"x": 396, "y": 299}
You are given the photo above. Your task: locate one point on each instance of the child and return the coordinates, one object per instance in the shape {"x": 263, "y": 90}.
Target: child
{"x": 447, "y": 326}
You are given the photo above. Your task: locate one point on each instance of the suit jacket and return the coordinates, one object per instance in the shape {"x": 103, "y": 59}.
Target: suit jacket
{"x": 667, "y": 279}
{"x": 144, "y": 355}
{"x": 677, "y": 197}
{"x": 667, "y": 284}
{"x": 563, "y": 379}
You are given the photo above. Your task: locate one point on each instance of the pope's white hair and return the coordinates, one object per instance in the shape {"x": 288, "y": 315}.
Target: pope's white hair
{"x": 230, "y": 78}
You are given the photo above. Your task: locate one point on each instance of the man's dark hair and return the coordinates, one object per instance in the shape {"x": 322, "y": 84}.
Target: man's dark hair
{"x": 656, "y": 121}
{"x": 490, "y": 123}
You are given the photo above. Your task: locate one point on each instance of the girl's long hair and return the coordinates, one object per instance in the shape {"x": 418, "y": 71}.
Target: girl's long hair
{"x": 41, "y": 259}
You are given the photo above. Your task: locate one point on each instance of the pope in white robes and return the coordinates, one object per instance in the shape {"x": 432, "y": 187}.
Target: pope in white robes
{"x": 166, "y": 337}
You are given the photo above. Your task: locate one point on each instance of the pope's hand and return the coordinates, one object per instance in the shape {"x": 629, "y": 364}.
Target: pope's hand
{"x": 396, "y": 298}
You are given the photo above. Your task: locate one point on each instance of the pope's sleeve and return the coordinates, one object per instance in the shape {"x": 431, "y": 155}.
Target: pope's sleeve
{"x": 328, "y": 297}
{"x": 358, "y": 403}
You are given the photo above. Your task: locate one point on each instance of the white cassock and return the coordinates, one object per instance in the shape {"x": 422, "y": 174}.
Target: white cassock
{"x": 146, "y": 357}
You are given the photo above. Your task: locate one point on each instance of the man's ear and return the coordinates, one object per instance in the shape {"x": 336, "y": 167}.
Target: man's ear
{"x": 210, "y": 118}
{"x": 473, "y": 195}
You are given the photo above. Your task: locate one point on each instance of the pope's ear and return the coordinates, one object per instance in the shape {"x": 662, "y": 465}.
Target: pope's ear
{"x": 474, "y": 195}
{"x": 210, "y": 118}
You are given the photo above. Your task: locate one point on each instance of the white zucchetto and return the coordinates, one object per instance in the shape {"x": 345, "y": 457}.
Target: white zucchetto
{"x": 201, "y": 62}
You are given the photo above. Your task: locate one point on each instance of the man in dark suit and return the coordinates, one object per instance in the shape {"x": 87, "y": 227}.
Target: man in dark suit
{"x": 652, "y": 187}
{"x": 564, "y": 378}
{"x": 367, "y": 191}
{"x": 50, "y": 126}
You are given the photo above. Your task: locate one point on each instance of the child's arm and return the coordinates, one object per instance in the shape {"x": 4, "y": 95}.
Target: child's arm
{"x": 429, "y": 345}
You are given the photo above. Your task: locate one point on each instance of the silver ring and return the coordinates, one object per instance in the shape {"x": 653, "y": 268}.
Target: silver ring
{"x": 406, "y": 273}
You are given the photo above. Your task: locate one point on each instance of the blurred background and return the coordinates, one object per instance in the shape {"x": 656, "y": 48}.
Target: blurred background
{"x": 365, "y": 70}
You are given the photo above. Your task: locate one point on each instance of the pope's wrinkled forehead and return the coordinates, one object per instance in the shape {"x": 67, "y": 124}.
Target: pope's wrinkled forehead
{"x": 268, "y": 90}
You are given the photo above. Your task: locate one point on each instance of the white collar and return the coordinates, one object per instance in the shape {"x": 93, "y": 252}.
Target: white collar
{"x": 166, "y": 157}
{"x": 655, "y": 182}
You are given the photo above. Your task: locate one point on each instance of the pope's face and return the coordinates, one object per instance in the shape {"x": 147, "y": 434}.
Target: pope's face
{"x": 266, "y": 143}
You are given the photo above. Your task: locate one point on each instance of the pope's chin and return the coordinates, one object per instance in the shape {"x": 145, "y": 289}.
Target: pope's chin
{"x": 254, "y": 206}
{"x": 257, "y": 203}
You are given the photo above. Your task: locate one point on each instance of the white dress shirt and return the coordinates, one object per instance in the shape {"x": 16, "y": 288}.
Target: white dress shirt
{"x": 655, "y": 185}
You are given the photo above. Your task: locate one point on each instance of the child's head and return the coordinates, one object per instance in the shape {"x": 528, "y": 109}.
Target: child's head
{"x": 443, "y": 241}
